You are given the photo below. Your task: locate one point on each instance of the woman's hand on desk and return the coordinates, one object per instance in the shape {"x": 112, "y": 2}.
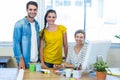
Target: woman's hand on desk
{"x": 68, "y": 65}
{"x": 56, "y": 66}
{"x": 44, "y": 66}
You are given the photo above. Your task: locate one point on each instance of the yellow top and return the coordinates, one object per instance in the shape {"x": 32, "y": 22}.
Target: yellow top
{"x": 52, "y": 51}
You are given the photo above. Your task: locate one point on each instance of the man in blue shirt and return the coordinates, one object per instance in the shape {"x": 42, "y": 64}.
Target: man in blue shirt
{"x": 26, "y": 37}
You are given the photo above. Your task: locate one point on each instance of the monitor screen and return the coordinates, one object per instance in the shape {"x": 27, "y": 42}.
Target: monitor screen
{"x": 95, "y": 48}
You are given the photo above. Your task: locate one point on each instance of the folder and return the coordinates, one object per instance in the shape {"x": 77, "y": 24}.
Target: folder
{"x": 113, "y": 71}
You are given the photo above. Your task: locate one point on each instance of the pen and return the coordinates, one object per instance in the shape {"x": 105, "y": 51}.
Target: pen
{"x": 79, "y": 67}
{"x": 45, "y": 72}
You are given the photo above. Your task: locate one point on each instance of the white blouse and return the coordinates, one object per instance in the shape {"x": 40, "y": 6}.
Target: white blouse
{"x": 76, "y": 59}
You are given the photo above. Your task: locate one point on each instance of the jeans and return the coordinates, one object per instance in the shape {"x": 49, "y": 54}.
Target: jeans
{"x": 49, "y": 65}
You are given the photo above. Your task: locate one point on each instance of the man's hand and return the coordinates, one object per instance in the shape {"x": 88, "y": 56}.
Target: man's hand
{"x": 21, "y": 64}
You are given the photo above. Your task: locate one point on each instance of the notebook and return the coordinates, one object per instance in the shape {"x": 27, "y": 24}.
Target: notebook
{"x": 113, "y": 71}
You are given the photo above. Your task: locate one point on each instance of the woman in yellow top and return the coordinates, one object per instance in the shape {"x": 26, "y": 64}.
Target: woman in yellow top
{"x": 53, "y": 39}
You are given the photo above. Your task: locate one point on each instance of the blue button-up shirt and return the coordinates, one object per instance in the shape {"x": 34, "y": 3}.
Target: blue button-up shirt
{"x": 22, "y": 40}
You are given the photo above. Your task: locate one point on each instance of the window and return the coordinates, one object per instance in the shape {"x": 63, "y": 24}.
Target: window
{"x": 11, "y": 11}
{"x": 67, "y": 2}
{"x": 71, "y": 16}
{"x": 78, "y": 2}
{"x": 62, "y": 2}
{"x": 99, "y": 18}
{"x": 103, "y": 20}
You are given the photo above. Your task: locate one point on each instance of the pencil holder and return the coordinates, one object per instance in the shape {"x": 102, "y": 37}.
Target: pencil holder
{"x": 38, "y": 66}
{"x": 32, "y": 67}
{"x": 77, "y": 73}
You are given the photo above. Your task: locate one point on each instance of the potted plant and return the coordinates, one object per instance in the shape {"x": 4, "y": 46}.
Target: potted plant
{"x": 117, "y": 36}
{"x": 100, "y": 68}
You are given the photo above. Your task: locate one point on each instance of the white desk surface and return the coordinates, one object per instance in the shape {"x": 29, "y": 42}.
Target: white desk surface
{"x": 8, "y": 73}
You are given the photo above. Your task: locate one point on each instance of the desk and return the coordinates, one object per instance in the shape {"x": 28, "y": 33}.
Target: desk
{"x": 52, "y": 76}
{"x": 12, "y": 75}
{"x": 8, "y": 73}
{"x": 3, "y": 61}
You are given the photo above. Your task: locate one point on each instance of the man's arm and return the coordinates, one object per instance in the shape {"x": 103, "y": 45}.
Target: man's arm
{"x": 17, "y": 45}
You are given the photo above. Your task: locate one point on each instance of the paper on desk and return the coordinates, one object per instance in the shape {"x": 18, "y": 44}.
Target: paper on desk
{"x": 20, "y": 74}
{"x": 114, "y": 71}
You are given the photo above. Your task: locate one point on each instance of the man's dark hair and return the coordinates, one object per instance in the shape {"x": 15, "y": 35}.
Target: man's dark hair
{"x": 31, "y": 3}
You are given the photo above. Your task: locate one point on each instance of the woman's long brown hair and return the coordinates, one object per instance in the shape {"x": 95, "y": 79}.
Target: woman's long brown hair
{"x": 45, "y": 21}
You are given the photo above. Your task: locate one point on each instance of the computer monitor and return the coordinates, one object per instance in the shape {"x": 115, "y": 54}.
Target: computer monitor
{"x": 95, "y": 48}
